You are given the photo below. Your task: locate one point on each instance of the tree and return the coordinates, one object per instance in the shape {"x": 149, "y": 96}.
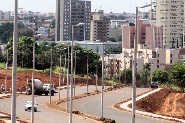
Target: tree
{"x": 178, "y": 75}
{"x": 115, "y": 50}
{"x": 53, "y": 24}
{"x": 119, "y": 38}
{"x": 6, "y": 31}
{"x": 24, "y": 51}
{"x": 112, "y": 39}
{"x": 128, "y": 76}
{"x": 144, "y": 75}
{"x": 25, "y": 32}
{"x": 160, "y": 76}
{"x": 131, "y": 24}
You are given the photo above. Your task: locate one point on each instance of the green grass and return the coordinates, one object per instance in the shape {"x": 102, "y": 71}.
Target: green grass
{"x": 2, "y": 65}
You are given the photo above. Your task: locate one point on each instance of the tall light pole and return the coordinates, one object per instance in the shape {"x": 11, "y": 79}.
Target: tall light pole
{"x": 64, "y": 69}
{"x": 113, "y": 74}
{"x": 59, "y": 78}
{"x": 67, "y": 81}
{"x": 33, "y": 76}
{"x": 60, "y": 75}
{"x": 125, "y": 68}
{"x": 6, "y": 77}
{"x": 75, "y": 73}
{"x": 105, "y": 70}
{"x": 14, "y": 73}
{"x": 50, "y": 74}
{"x": 97, "y": 74}
{"x": 71, "y": 78}
{"x": 134, "y": 72}
{"x": 102, "y": 88}
{"x": 87, "y": 74}
{"x": 119, "y": 73}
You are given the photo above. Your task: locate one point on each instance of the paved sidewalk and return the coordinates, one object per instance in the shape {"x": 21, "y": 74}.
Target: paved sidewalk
{"x": 125, "y": 106}
{"x": 3, "y": 116}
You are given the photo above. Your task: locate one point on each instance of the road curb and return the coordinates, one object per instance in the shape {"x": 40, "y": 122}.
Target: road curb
{"x": 8, "y": 116}
{"x": 83, "y": 115}
{"x": 78, "y": 115}
{"x": 123, "y": 106}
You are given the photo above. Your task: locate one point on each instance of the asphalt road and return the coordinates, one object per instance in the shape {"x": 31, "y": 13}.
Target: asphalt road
{"x": 43, "y": 115}
{"x": 92, "y": 105}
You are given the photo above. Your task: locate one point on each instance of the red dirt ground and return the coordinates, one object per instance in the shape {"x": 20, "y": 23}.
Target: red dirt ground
{"x": 165, "y": 102}
{"x": 22, "y": 77}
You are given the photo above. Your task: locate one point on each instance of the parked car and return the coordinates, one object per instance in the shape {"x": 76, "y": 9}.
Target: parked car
{"x": 154, "y": 84}
{"x": 28, "y": 105}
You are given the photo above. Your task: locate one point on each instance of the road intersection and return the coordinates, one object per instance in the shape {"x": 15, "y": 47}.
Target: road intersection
{"x": 90, "y": 105}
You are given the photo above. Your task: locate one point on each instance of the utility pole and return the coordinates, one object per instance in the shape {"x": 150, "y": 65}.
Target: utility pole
{"x": 14, "y": 71}
{"x": 6, "y": 77}
{"x": 134, "y": 73}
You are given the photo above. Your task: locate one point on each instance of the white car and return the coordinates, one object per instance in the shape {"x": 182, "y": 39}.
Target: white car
{"x": 28, "y": 105}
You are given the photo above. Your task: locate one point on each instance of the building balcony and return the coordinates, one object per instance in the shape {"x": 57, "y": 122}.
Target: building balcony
{"x": 164, "y": 19}
{"x": 163, "y": 10}
{"x": 164, "y": 2}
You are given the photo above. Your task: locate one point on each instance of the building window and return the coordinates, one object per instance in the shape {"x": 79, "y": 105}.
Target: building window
{"x": 157, "y": 66}
{"x": 171, "y": 55}
{"x": 158, "y": 55}
{"x": 170, "y": 61}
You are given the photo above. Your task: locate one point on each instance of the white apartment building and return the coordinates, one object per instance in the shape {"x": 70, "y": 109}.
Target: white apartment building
{"x": 43, "y": 31}
{"x": 170, "y": 14}
{"x": 158, "y": 59}
{"x": 5, "y": 15}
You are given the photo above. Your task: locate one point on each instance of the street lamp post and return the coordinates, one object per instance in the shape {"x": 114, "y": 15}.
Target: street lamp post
{"x": 125, "y": 68}
{"x": 50, "y": 75}
{"x": 113, "y": 74}
{"x": 119, "y": 73}
{"x": 60, "y": 76}
{"x": 134, "y": 72}
{"x": 105, "y": 70}
{"x": 102, "y": 89}
{"x": 64, "y": 70}
{"x": 97, "y": 74}
{"x": 87, "y": 74}
{"x": 14, "y": 71}
{"x": 75, "y": 73}
{"x": 67, "y": 82}
{"x": 33, "y": 77}
{"x": 6, "y": 77}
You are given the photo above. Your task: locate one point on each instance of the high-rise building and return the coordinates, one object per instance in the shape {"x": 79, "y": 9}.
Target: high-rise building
{"x": 78, "y": 12}
{"x": 57, "y": 21}
{"x": 99, "y": 27}
{"x": 169, "y": 14}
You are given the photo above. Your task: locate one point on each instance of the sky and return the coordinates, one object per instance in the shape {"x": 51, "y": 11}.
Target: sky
{"x": 45, "y": 6}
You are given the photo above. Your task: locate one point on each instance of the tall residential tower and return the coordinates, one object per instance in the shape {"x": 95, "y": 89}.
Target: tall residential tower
{"x": 169, "y": 14}
{"x": 79, "y": 12}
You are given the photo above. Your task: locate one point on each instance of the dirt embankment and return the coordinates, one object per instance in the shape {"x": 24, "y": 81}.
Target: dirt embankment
{"x": 165, "y": 102}
{"x": 22, "y": 77}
